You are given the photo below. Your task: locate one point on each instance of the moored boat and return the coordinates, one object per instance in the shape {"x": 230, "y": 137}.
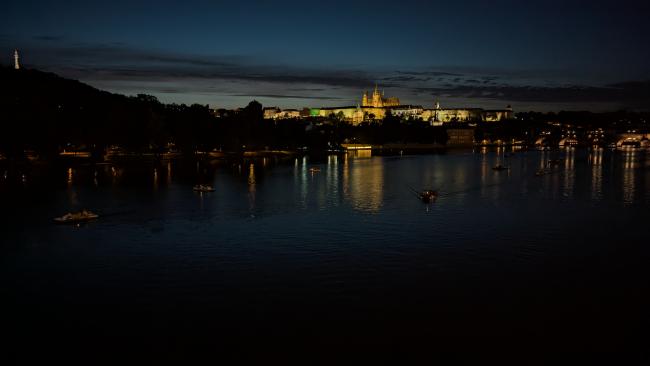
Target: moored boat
{"x": 76, "y": 217}
{"x": 203, "y": 188}
{"x": 554, "y": 162}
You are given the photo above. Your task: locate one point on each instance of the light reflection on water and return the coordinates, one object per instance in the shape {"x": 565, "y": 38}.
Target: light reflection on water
{"x": 569, "y": 172}
{"x": 596, "y": 161}
{"x": 251, "y": 188}
{"x": 630, "y": 165}
{"x": 365, "y": 182}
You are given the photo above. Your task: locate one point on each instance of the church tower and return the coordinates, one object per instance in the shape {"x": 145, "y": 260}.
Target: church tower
{"x": 364, "y": 99}
{"x": 377, "y": 98}
{"x": 16, "y": 60}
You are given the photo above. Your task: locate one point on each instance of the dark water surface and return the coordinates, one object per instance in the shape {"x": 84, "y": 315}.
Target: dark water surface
{"x": 279, "y": 259}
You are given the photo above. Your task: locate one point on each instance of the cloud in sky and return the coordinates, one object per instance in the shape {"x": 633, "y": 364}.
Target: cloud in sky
{"x": 232, "y": 80}
{"x": 48, "y": 38}
{"x": 635, "y": 92}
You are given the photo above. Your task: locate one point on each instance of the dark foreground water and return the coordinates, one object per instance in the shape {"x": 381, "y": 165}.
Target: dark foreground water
{"x": 280, "y": 261}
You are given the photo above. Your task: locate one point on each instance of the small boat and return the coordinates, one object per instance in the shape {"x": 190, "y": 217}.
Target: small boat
{"x": 541, "y": 172}
{"x": 203, "y": 188}
{"x": 76, "y": 217}
{"x": 428, "y": 196}
{"x": 554, "y": 162}
{"x": 500, "y": 167}
{"x": 314, "y": 170}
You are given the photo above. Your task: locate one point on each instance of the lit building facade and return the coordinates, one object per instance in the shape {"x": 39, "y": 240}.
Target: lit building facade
{"x": 446, "y": 115}
{"x": 407, "y": 111}
{"x": 277, "y": 113}
{"x": 377, "y": 107}
{"x": 271, "y": 112}
{"x": 496, "y": 115}
{"x": 377, "y": 100}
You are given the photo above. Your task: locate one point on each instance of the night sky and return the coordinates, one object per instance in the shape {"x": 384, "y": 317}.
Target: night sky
{"x": 541, "y": 55}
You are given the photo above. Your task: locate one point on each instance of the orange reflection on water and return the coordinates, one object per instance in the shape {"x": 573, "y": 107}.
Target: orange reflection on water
{"x": 485, "y": 168}
{"x": 332, "y": 175}
{"x": 70, "y": 175}
{"x": 569, "y": 172}
{"x": 365, "y": 186}
{"x": 629, "y": 166}
{"x": 596, "y": 161}
{"x": 251, "y": 186}
{"x": 346, "y": 175}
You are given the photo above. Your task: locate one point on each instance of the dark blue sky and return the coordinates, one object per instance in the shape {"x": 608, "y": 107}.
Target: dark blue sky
{"x": 543, "y": 55}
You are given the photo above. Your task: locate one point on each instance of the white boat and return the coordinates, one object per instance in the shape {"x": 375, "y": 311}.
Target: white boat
{"x": 76, "y": 217}
{"x": 203, "y": 188}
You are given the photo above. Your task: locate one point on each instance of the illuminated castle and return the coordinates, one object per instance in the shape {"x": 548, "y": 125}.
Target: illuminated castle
{"x": 378, "y": 100}
{"x": 377, "y": 107}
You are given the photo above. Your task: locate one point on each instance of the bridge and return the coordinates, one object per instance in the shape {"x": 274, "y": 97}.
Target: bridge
{"x": 633, "y": 139}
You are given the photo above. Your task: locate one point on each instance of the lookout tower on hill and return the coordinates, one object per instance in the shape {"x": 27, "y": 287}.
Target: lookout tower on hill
{"x": 16, "y": 60}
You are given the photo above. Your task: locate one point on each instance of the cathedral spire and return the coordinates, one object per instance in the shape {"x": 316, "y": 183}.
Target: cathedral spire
{"x": 16, "y": 60}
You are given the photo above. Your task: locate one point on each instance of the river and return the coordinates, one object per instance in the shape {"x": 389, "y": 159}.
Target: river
{"x": 344, "y": 258}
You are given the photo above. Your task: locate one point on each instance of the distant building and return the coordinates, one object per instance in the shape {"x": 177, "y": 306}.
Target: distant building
{"x": 446, "y": 115}
{"x": 288, "y": 113}
{"x": 305, "y": 113}
{"x": 271, "y": 112}
{"x": 222, "y": 112}
{"x": 348, "y": 113}
{"x": 352, "y": 114}
{"x": 277, "y": 113}
{"x": 377, "y": 107}
{"x": 377, "y": 100}
{"x": 407, "y": 111}
{"x": 496, "y": 115}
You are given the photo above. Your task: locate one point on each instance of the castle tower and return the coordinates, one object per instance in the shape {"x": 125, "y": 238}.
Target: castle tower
{"x": 16, "y": 62}
{"x": 376, "y": 98}
{"x": 364, "y": 99}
